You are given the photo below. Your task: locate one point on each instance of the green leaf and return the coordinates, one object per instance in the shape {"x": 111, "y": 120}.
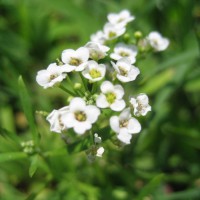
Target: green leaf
{"x": 150, "y": 187}
{"x": 34, "y": 165}
{"x": 27, "y": 107}
{"x": 9, "y": 156}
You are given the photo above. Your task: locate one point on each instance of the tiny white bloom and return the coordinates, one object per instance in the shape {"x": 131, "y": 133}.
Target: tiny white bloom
{"x": 97, "y": 139}
{"x": 80, "y": 116}
{"x": 122, "y": 50}
{"x": 113, "y": 31}
{"x": 125, "y": 71}
{"x": 97, "y": 51}
{"x": 94, "y": 71}
{"x": 98, "y": 37}
{"x": 125, "y": 125}
{"x": 157, "y": 42}
{"x": 50, "y": 76}
{"x": 100, "y": 152}
{"x": 122, "y": 17}
{"x": 140, "y": 104}
{"x": 55, "y": 119}
{"x": 75, "y": 59}
{"x": 111, "y": 96}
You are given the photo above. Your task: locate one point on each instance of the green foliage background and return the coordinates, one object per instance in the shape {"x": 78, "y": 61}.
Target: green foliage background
{"x": 163, "y": 161}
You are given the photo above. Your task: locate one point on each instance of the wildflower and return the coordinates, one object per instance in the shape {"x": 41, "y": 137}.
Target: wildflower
{"x": 97, "y": 51}
{"x": 56, "y": 121}
{"x": 113, "y": 31}
{"x": 51, "y": 76}
{"x": 121, "y": 18}
{"x": 125, "y": 125}
{"x": 74, "y": 59}
{"x": 125, "y": 71}
{"x": 122, "y": 50}
{"x": 140, "y": 104}
{"x": 98, "y": 37}
{"x": 157, "y": 42}
{"x": 94, "y": 71}
{"x": 80, "y": 116}
{"x": 111, "y": 96}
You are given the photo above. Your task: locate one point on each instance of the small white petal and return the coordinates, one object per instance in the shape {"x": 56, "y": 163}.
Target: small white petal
{"x": 101, "y": 101}
{"x": 114, "y": 124}
{"x": 125, "y": 114}
{"x": 92, "y": 113}
{"x": 134, "y": 126}
{"x": 118, "y": 105}
{"x": 107, "y": 86}
{"x": 82, "y": 127}
{"x": 124, "y": 136}
{"x": 77, "y": 104}
{"x": 119, "y": 91}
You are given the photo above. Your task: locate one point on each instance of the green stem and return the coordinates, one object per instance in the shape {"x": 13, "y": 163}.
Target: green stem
{"x": 84, "y": 82}
{"x": 94, "y": 88}
{"x": 66, "y": 90}
{"x": 72, "y": 86}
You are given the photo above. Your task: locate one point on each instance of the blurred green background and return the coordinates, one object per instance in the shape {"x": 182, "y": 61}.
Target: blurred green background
{"x": 163, "y": 161}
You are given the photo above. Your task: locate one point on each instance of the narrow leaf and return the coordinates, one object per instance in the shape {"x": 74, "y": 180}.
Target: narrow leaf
{"x": 27, "y": 107}
{"x": 9, "y": 156}
{"x": 34, "y": 165}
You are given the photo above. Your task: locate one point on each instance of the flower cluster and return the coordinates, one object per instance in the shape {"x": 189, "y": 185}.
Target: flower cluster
{"x": 101, "y": 68}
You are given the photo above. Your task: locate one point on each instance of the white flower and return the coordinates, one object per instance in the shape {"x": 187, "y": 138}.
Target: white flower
{"x": 122, "y": 50}
{"x": 98, "y": 37}
{"x": 111, "y": 96}
{"x": 94, "y": 71}
{"x": 50, "y": 76}
{"x": 75, "y": 59}
{"x": 121, "y": 18}
{"x": 55, "y": 119}
{"x": 125, "y": 71}
{"x": 157, "y": 42}
{"x": 100, "y": 152}
{"x": 97, "y": 139}
{"x": 125, "y": 125}
{"x": 97, "y": 51}
{"x": 140, "y": 104}
{"x": 113, "y": 31}
{"x": 80, "y": 116}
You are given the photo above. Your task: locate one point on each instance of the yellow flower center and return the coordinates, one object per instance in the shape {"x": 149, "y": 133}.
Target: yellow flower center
{"x": 124, "y": 54}
{"x": 94, "y": 73}
{"x": 123, "y": 72}
{"x": 75, "y": 62}
{"x": 110, "y": 97}
{"x": 111, "y": 34}
{"x": 53, "y": 76}
{"x": 123, "y": 123}
{"x": 80, "y": 116}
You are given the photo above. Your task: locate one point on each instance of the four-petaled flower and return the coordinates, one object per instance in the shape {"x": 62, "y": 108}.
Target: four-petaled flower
{"x": 80, "y": 116}
{"x": 111, "y": 96}
{"x": 97, "y": 51}
{"x": 157, "y": 42}
{"x": 121, "y": 18}
{"x": 125, "y": 71}
{"x": 125, "y": 125}
{"x": 122, "y": 50}
{"x": 56, "y": 121}
{"x": 140, "y": 104}
{"x": 75, "y": 59}
{"x": 51, "y": 76}
{"x": 94, "y": 71}
{"x": 112, "y": 31}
